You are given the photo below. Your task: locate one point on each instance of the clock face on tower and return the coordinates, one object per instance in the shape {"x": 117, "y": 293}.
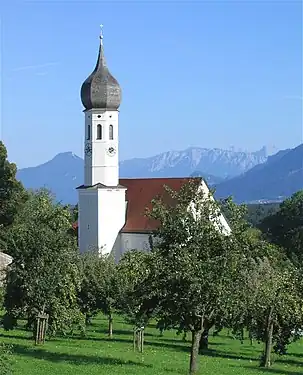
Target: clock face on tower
{"x": 111, "y": 151}
{"x": 88, "y": 149}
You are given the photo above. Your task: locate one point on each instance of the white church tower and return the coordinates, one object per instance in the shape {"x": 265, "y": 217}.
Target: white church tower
{"x": 101, "y": 198}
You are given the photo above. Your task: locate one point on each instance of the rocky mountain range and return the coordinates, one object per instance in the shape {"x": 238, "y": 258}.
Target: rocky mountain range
{"x": 212, "y": 162}
{"x": 226, "y": 169}
{"x": 276, "y": 179}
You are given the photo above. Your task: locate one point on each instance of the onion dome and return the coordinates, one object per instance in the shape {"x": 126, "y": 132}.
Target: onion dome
{"x": 101, "y": 89}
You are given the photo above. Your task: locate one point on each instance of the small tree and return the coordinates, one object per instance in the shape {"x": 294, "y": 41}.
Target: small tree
{"x": 98, "y": 286}
{"x": 131, "y": 293}
{"x": 44, "y": 274}
{"x": 267, "y": 295}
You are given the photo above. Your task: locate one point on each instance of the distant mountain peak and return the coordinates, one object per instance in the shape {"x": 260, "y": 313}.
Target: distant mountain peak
{"x": 66, "y": 155}
{"x": 279, "y": 177}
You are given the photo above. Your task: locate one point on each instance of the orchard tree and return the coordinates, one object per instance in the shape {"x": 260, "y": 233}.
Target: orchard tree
{"x": 98, "y": 286}
{"x": 267, "y": 298}
{"x": 195, "y": 262}
{"x": 12, "y": 193}
{"x": 44, "y": 275}
{"x": 278, "y": 307}
{"x": 134, "y": 286}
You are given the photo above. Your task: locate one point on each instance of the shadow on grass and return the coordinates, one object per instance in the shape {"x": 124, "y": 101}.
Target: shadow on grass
{"x": 101, "y": 339}
{"x": 17, "y": 337}
{"x": 230, "y": 355}
{"x": 299, "y": 355}
{"x": 289, "y": 361}
{"x": 76, "y": 359}
{"x": 207, "y": 353}
{"x": 178, "y": 340}
{"x": 274, "y": 371}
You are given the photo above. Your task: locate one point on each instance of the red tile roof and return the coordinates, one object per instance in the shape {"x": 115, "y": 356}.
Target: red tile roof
{"x": 140, "y": 192}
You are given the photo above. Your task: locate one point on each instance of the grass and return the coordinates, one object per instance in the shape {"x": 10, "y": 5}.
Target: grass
{"x": 97, "y": 354}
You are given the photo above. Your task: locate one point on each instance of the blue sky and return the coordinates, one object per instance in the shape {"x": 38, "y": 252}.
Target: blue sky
{"x": 209, "y": 74}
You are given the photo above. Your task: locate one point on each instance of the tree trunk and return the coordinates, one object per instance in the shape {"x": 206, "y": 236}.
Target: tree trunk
{"x": 268, "y": 340}
{"x": 251, "y": 338}
{"x": 204, "y": 340}
{"x": 110, "y": 326}
{"x": 196, "y": 337}
{"x": 268, "y": 345}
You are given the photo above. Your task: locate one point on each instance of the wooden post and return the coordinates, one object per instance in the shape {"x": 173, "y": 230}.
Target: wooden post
{"x": 37, "y": 330}
{"x": 142, "y": 339}
{"x": 42, "y": 320}
{"x": 138, "y": 339}
{"x": 135, "y": 338}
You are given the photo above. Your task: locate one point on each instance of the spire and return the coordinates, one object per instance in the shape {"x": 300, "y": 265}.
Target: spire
{"x": 101, "y": 89}
{"x": 101, "y": 62}
{"x": 101, "y": 35}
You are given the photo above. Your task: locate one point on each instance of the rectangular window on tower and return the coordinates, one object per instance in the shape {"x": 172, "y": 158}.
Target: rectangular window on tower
{"x": 99, "y": 131}
{"x": 88, "y": 132}
{"x": 111, "y": 132}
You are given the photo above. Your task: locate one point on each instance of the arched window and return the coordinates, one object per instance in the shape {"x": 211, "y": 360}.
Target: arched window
{"x": 88, "y": 132}
{"x": 111, "y": 132}
{"x": 99, "y": 131}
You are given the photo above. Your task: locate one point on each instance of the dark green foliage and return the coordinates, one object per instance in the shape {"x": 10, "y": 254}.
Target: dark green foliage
{"x": 285, "y": 227}
{"x": 2, "y": 293}
{"x": 258, "y": 212}
{"x": 12, "y": 193}
{"x": 44, "y": 273}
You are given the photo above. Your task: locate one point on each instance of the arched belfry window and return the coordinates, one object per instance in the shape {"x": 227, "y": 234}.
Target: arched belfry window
{"x": 88, "y": 132}
{"x": 111, "y": 132}
{"x": 99, "y": 131}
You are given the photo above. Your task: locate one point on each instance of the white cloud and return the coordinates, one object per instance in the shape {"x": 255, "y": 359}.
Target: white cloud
{"x": 34, "y": 67}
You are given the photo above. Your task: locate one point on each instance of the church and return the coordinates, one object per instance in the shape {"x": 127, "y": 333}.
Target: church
{"x": 112, "y": 210}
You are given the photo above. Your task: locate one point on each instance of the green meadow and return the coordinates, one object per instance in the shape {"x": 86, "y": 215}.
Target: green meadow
{"x": 97, "y": 354}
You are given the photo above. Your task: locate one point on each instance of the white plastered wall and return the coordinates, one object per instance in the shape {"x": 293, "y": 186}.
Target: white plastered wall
{"x": 101, "y": 166}
{"x": 88, "y": 219}
{"x": 101, "y": 217}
